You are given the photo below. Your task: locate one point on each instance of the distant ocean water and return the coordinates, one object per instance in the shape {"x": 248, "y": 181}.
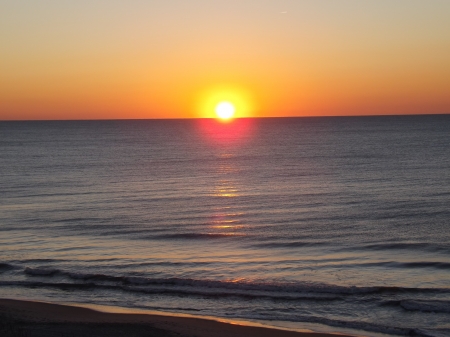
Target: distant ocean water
{"x": 322, "y": 222}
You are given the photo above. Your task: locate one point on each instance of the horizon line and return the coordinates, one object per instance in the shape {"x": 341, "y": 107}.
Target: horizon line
{"x": 213, "y": 118}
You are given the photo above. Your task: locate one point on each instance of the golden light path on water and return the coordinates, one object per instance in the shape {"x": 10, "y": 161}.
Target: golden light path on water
{"x": 225, "y": 135}
{"x": 225, "y": 219}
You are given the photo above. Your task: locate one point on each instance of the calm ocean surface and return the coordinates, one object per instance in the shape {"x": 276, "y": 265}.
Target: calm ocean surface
{"x": 326, "y": 223}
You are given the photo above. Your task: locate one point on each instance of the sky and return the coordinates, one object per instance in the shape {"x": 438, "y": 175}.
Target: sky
{"x": 92, "y": 59}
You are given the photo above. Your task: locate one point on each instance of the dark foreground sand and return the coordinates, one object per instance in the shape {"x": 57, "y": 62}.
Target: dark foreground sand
{"x": 37, "y": 319}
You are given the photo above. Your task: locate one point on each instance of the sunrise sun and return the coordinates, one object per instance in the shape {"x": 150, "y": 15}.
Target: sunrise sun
{"x": 225, "y": 110}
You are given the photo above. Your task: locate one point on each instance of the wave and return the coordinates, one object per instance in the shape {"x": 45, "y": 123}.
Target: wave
{"x": 59, "y": 285}
{"x": 354, "y": 325}
{"x": 41, "y": 271}
{"x": 6, "y": 266}
{"x": 437, "y": 306}
{"x": 395, "y": 264}
{"x": 194, "y": 236}
{"x": 179, "y": 291}
{"x": 41, "y": 260}
{"x": 210, "y": 288}
{"x": 290, "y": 244}
{"x": 425, "y": 264}
{"x": 434, "y": 248}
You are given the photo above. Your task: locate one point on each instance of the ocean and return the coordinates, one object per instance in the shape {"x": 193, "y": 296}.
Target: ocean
{"x": 333, "y": 223}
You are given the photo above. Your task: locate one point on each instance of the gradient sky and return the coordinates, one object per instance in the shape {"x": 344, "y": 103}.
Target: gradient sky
{"x": 174, "y": 59}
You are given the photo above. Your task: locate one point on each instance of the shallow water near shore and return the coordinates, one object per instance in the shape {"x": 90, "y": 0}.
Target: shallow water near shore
{"x": 338, "y": 222}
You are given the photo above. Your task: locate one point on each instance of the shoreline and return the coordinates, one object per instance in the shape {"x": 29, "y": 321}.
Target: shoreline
{"x": 48, "y": 319}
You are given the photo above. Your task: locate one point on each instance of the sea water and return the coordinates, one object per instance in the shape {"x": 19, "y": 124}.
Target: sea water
{"x": 337, "y": 222}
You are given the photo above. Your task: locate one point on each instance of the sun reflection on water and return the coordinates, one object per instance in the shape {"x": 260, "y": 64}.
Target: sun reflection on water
{"x": 234, "y": 132}
{"x": 226, "y": 217}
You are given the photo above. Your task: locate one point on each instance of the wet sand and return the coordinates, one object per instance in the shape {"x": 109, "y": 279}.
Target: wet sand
{"x": 37, "y": 319}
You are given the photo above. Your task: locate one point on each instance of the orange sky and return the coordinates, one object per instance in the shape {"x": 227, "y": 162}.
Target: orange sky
{"x": 175, "y": 59}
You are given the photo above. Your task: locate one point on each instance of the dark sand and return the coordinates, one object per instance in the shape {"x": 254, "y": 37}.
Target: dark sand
{"x": 37, "y": 319}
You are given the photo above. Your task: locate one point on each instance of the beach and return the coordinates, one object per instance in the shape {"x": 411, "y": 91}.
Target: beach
{"x": 28, "y": 318}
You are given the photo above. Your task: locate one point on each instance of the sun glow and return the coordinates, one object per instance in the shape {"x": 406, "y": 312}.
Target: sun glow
{"x": 225, "y": 110}
{"x": 225, "y": 102}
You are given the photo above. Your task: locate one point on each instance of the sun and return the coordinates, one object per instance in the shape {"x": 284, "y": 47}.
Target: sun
{"x": 224, "y": 102}
{"x": 225, "y": 110}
